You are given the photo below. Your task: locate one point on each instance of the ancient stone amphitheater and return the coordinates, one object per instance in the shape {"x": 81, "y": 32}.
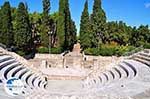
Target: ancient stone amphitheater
{"x": 129, "y": 79}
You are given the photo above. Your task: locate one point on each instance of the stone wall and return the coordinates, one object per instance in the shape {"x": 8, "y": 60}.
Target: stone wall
{"x": 88, "y": 62}
{"x": 53, "y": 60}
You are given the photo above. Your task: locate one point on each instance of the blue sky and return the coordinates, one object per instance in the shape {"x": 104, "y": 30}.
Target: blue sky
{"x": 133, "y": 12}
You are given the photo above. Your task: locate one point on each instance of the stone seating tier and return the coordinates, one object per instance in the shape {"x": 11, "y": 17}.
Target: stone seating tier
{"x": 11, "y": 67}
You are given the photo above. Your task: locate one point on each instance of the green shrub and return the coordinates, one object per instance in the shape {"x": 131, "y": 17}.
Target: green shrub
{"x": 21, "y": 53}
{"x": 128, "y": 50}
{"x": 147, "y": 45}
{"x": 43, "y": 50}
{"x": 91, "y": 51}
{"x": 56, "y": 50}
{"x": 107, "y": 50}
{"x": 111, "y": 49}
{"x": 52, "y": 50}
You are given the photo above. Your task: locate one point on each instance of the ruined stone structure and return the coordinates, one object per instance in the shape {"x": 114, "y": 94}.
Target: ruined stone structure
{"x": 127, "y": 79}
{"x": 74, "y": 59}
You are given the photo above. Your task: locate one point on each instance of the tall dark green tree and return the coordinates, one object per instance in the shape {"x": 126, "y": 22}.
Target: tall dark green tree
{"x": 73, "y": 34}
{"x": 98, "y": 23}
{"x": 23, "y": 33}
{"x": 67, "y": 22}
{"x": 46, "y": 11}
{"x": 45, "y": 27}
{"x": 64, "y": 26}
{"x": 60, "y": 24}
{"x": 6, "y": 24}
{"x": 85, "y": 33}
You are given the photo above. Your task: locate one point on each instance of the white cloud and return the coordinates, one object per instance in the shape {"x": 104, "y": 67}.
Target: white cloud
{"x": 147, "y": 5}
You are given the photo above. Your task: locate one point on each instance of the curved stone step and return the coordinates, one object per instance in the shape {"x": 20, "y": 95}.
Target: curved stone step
{"x": 132, "y": 66}
{"x": 98, "y": 81}
{"x": 9, "y": 69}
{"x": 104, "y": 78}
{"x": 5, "y": 69}
{"x": 31, "y": 80}
{"x": 143, "y": 57}
{"x": 43, "y": 84}
{"x": 6, "y": 63}
{"x": 144, "y": 54}
{"x": 130, "y": 72}
{"x": 4, "y": 58}
{"x": 15, "y": 70}
{"x": 17, "y": 74}
{"x": 91, "y": 83}
{"x": 115, "y": 73}
{"x": 28, "y": 77}
{"x": 122, "y": 73}
{"x": 36, "y": 82}
{"x": 142, "y": 61}
{"x": 110, "y": 76}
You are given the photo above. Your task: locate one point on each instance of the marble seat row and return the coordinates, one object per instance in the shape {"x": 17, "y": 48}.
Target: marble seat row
{"x": 10, "y": 67}
{"x": 124, "y": 70}
{"x": 143, "y": 58}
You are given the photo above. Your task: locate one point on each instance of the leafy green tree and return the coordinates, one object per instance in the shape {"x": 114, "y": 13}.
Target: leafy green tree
{"x": 98, "y": 24}
{"x": 85, "y": 33}
{"x": 143, "y": 35}
{"x": 119, "y": 32}
{"x": 134, "y": 37}
{"x": 35, "y": 21}
{"x": 6, "y": 24}
{"x": 23, "y": 32}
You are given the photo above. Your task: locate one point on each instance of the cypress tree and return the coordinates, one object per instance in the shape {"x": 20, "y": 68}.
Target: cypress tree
{"x": 60, "y": 24}
{"x": 6, "y": 24}
{"x": 73, "y": 33}
{"x": 64, "y": 23}
{"x": 45, "y": 23}
{"x": 67, "y": 26}
{"x": 23, "y": 33}
{"x": 46, "y": 10}
{"x": 85, "y": 28}
{"x": 98, "y": 23}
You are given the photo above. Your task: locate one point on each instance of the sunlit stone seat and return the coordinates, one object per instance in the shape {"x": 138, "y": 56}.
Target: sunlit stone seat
{"x": 116, "y": 74}
{"x": 13, "y": 71}
{"x": 122, "y": 73}
{"x": 130, "y": 71}
{"x": 110, "y": 76}
{"x": 11, "y": 67}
